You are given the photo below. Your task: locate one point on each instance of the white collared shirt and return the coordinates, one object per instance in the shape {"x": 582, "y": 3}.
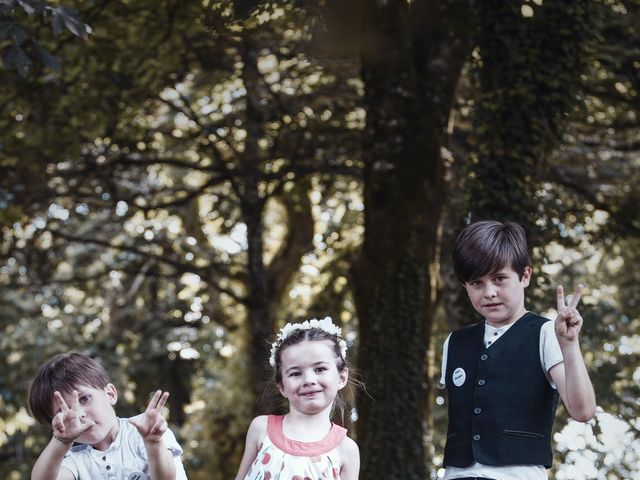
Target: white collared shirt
{"x": 125, "y": 459}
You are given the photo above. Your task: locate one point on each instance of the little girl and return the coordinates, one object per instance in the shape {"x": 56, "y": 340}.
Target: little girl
{"x": 310, "y": 372}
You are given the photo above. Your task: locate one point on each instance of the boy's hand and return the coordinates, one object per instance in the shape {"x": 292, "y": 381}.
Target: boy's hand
{"x": 69, "y": 423}
{"x": 569, "y": 320}
{"x": 151, "y": 423}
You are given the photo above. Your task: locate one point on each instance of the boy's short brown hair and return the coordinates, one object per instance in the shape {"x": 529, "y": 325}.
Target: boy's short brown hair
{"x": 487, "y": 246}
{"x": 63, "y": 373}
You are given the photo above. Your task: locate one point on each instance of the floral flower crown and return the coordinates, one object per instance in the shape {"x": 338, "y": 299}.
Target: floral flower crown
{"x": 326, "y": 325}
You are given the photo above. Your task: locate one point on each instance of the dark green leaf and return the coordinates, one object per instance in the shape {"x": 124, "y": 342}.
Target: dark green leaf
{"x": 30, "y": 6}
{"x": 19, "y": 34}
{"x": 5, "y": 29}
{"x": 7, "y": 6}
{"x": 72, "y": 22}
{"x": 57, "y": 22}
{"x": 16, "y": 58}
{"x": 47, "y": 59}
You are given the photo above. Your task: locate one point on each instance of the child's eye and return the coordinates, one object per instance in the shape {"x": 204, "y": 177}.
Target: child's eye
{"x": 85, "y": 398}
{"x": 294, "y": 374}
{"x": 321, "y": 369}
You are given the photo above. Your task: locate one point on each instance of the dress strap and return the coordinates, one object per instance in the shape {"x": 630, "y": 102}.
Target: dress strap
{"x": 305, "y": 449}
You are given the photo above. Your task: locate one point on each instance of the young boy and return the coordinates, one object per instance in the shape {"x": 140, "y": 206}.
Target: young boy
{"x": 72, "y": 393}
{"x": 503, "y": 374}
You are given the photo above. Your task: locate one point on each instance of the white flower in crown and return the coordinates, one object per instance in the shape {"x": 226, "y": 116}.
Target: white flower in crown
{"x": 326, "y": 325}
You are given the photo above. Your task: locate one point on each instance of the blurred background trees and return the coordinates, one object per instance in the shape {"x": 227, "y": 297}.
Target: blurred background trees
{"x": 179, "y": 179}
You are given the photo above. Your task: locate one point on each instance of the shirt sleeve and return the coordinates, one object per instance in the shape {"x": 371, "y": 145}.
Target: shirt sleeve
{"x": 443, "y": 371}
{"x": 172, "y": 444}
{"x": 170, "y": 441}
{"x": 550, "y": 353}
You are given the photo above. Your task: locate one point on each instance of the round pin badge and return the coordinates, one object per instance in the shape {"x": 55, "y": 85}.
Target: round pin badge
{"x": 137, "y": 475}
{"x": 459, "y": 376}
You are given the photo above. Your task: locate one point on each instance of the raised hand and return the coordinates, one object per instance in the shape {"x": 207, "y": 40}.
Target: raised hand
{"x": 151, "y": 424}
{"x": 69, "y": 423}
{"x": 569, "y": 320}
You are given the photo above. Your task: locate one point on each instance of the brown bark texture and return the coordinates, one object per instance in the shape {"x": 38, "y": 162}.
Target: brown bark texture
{"x": 412, "y": 55}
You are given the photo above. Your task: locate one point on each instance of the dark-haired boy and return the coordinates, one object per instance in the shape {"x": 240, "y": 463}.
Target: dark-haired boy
{"x": 73, "y": 394}
{"x": 503, "y": 374}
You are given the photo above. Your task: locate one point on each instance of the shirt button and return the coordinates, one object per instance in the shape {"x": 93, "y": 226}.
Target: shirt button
{"x": 104, "y": 458}
{"x": 481, "y": 382}
{"x": 108, "y": 467}
{"x": 477, "y": 410}
{"x": 484, "y": 356}
{"x": 476, "y": 437}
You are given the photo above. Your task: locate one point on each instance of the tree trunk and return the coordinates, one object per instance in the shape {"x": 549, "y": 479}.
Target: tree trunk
{"x": 252, "y": 205}
{"x": 412, "y": 56}
{"x": 266, "y": 285}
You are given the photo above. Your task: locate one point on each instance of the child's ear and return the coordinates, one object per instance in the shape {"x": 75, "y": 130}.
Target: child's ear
{"x": 343, "y": 378}
{"x": 526, "y": 276}
{"x": 112, "y": 393}
{"x": 280, "y": 389}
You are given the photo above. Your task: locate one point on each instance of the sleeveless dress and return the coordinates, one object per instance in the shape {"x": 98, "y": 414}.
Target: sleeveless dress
{"x": 280, "y": 458}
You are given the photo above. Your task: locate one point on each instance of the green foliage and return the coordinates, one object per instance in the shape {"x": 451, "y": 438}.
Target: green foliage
{"x": 20, "y": 46}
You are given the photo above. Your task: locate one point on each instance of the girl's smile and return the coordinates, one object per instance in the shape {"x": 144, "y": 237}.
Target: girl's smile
{"x": 310, "y": 394}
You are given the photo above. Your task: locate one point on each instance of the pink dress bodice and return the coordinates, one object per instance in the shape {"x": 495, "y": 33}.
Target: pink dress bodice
{"x": 280, "y": 458}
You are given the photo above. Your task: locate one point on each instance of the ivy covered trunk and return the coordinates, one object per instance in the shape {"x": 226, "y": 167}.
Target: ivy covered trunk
{"x": 412, "y": 55}
{"x": 527, "y": 82}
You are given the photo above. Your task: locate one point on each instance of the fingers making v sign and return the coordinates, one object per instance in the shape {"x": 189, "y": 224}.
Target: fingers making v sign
{"x": 569, "y": 321}
{"x": 151, "y": 424}
{"x": 69, "y": 423}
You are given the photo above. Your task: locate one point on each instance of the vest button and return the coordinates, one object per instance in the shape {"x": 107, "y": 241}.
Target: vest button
{"x": 484, "y": 356}
{"x": 476, "y": 437}
{"x": 481, "y": 382}
{"x": 477, "y": 410}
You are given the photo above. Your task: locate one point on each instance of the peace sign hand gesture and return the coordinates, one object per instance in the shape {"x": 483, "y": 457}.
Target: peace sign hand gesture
{"x": 569, "y": 320}
{"x": 151, "y": 424}
{"x": 70, "y": 422}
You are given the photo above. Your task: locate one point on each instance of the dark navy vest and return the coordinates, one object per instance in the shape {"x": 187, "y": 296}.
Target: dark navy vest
{"x": 501, "y": 406}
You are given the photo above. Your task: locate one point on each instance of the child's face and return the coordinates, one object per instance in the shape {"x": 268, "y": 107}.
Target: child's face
{"x": 95, "y": 405}
{"x": 310, "y": 377}
{"x": 499, "y": 296}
